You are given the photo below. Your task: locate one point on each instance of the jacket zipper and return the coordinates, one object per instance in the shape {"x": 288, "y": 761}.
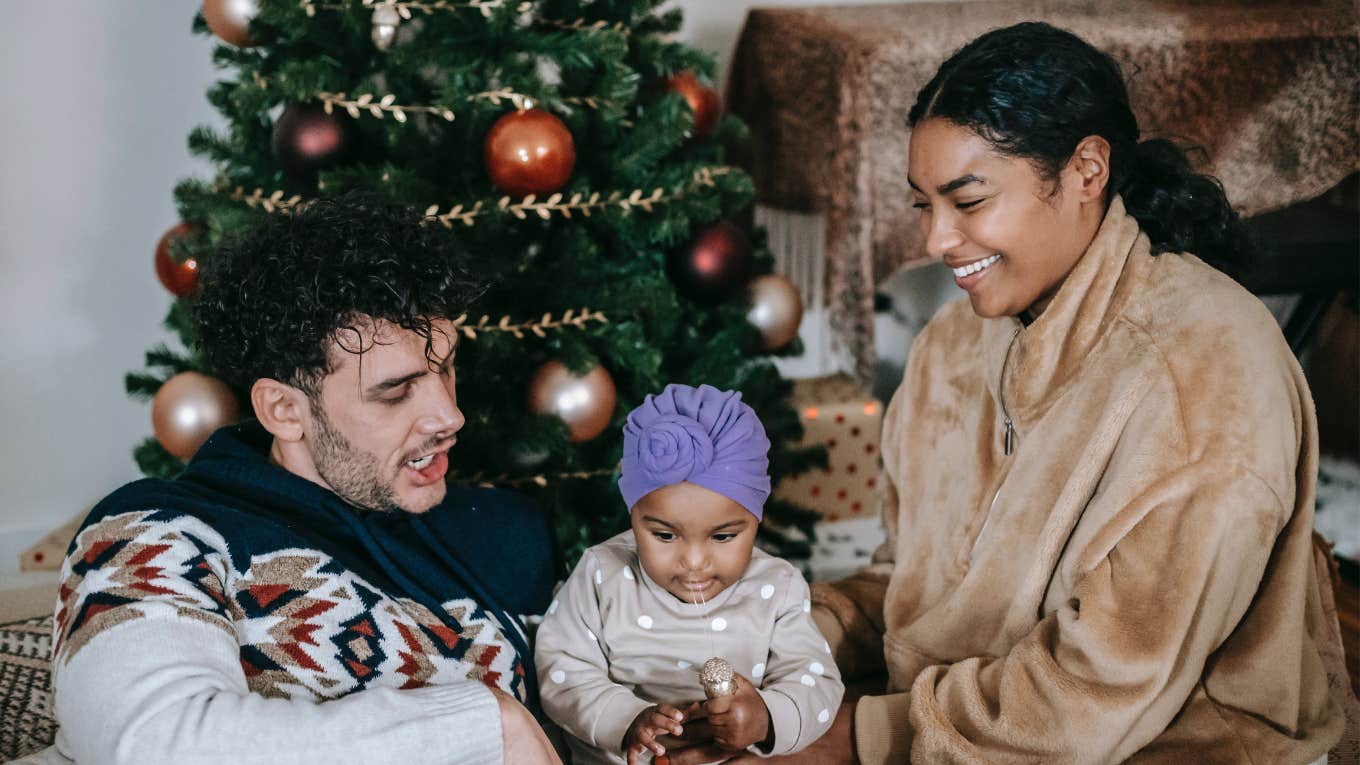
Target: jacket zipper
{"x": 1007, "y": 440}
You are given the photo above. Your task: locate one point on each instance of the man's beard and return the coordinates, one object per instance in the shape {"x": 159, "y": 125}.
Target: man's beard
{"x": 354, "y": 475}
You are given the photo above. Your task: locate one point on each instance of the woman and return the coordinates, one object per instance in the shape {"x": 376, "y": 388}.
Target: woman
{"x": 1100, "y": 467}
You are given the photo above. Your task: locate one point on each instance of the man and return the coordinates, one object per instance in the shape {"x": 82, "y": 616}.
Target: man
{"x": 308, "y": 590}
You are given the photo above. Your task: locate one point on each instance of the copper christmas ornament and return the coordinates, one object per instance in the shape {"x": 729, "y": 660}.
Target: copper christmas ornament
{"x": 718, "y": 678}
{"x": 776, "y": 310}
{"x": 188, "y": 408}
{"x": 702, "y": 100}
{"x": 585, "y": 404}
{"x": 529, "y": 152}
{"x": 230, "y": 20}
{"x": 180, "y": 277}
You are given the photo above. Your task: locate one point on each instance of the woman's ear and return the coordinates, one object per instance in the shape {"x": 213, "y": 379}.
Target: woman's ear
{"x": 1090, "y": 165}
{"x": 280, "y": 408}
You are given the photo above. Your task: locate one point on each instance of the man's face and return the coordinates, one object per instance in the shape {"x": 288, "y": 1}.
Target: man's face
{"x": 384, "y": 420}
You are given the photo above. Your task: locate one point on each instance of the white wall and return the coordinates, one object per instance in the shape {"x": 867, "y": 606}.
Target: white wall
{"x": 98, "y": 99}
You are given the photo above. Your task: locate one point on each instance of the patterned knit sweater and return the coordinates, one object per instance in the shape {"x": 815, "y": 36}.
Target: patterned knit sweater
{"x": 240, "y": 613}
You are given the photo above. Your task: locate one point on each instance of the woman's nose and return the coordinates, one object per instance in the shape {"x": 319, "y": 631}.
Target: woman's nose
{"x": 942, "y": 236}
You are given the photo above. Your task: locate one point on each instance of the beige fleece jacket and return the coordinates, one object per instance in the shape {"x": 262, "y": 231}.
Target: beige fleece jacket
{"x": 1134, "y": 581}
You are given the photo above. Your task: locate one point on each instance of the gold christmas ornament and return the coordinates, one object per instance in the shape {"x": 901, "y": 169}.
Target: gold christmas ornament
{"x": 718, "y": 678}
{"x": 188, "y": 408}
{"x": 230, "y": 20}
{"x": 585, "y": 404}
{"x": 386, "y": 19}
{"x": 776, "y": 310}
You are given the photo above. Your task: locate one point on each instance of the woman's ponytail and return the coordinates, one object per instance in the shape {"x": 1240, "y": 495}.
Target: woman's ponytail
{"x": 1181, "y": 210}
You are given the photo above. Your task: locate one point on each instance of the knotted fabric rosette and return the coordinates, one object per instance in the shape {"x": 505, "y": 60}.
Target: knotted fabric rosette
{"x": 702, "y": 435}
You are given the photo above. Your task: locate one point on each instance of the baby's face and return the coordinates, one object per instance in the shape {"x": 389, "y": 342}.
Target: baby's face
{"x": 693, "y": 541}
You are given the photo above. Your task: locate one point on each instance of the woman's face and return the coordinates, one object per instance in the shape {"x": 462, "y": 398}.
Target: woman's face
{"x": 1009, "y": 236}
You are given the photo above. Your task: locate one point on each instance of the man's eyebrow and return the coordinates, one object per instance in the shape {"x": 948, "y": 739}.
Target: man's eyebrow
{"x": 653, "y": 519}
{"x": 393, "y": 382}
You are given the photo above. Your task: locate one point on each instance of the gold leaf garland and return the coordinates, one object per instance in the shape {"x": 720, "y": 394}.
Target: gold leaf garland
{"x": 538, "y": 328}
{"x": 556, "y": 204}
{"x": 405, "y": 7}
{"x": 372, "y": 105}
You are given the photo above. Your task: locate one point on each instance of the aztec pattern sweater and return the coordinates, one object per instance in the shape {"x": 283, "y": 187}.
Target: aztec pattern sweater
{"x": 211, "y": 615}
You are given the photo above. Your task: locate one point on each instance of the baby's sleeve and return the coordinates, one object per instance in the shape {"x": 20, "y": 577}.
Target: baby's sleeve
{"x": 573, "y": 672}
{"x": 801, "y": 687}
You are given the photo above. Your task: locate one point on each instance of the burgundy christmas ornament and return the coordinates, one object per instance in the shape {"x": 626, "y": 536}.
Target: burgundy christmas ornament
{"x": 307, "y": 139}
{"x": 714, "y": 267}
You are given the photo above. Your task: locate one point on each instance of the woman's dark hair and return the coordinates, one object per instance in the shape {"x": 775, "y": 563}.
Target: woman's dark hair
{"x": 1035, "y": 91}
{"x": 272, "y": 300}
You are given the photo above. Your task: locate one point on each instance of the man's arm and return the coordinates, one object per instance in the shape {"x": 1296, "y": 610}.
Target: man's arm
{"x": 147, "y": 669}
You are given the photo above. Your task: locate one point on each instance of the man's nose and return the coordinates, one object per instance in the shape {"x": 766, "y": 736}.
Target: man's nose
{"x": 942, "y": 236}
{"x": 442, "y": 417}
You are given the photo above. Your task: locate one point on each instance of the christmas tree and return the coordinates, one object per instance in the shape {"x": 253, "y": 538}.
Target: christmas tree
{"x": 580, "y": 155}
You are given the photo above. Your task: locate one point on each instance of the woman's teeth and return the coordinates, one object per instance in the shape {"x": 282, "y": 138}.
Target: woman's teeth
{"x": 421, "y": 463}
{"x": 974, "y": 267}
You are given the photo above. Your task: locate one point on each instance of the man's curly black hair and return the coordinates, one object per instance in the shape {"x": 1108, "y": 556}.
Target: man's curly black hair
{"x": 272, "y": 300}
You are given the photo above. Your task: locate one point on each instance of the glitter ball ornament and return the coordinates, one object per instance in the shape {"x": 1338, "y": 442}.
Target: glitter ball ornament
{"x": 584, "y": 403}
{"x": 529, "y": 152}
{"x": 718, "y": 678}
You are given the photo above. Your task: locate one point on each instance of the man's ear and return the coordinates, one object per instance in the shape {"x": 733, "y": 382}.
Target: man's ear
{"x": 281, "y": 408}
{"x": 1090, "y": 164}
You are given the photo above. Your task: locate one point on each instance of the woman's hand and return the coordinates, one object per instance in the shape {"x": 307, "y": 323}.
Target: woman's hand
{"x": 656, "y": 720}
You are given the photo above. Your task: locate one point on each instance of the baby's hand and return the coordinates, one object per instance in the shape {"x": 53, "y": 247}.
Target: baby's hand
{"x": 656, "y": 720}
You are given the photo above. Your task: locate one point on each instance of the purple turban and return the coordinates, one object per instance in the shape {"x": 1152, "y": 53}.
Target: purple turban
{"x": 702, "y": 435}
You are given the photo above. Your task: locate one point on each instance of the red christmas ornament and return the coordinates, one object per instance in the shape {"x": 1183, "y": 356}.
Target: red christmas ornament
{"x": 714, "y": 266}
{"x": 307, "y": 139}
{"x": 703, "y": 101}
{"x": 529, "y": 152}
{"x": 178, "y": 276}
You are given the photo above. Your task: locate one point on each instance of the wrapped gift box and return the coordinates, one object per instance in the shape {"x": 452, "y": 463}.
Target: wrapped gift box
{"x": 847, "y": 420}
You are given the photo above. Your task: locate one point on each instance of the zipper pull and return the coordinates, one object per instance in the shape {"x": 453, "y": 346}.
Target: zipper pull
{"x": 1009, "y": 439}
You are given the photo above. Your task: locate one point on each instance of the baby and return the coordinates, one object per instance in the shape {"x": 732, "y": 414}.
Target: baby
{"x": 620, "y": 649}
